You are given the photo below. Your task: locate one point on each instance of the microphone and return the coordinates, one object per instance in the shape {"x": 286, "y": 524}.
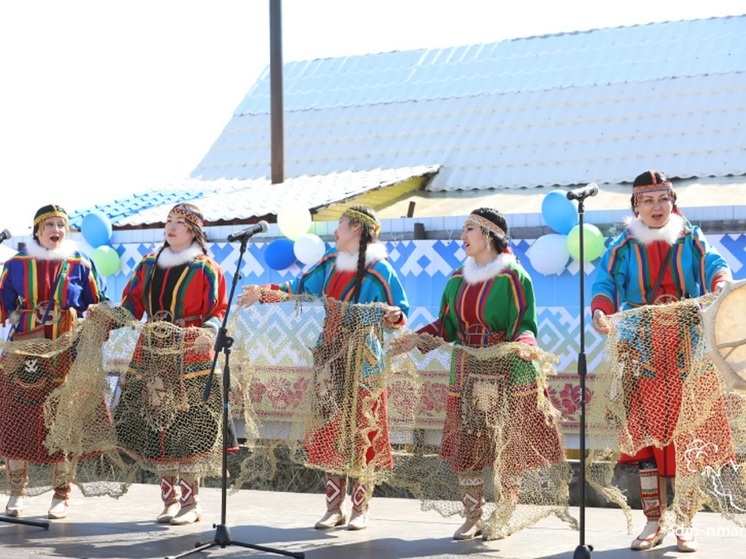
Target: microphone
{"x": 583, "y": 193}
{"x": 249, "y": 232}
{"x": 5, "y": 235}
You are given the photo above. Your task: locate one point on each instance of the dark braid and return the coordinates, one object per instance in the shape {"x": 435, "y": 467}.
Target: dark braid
{"x": 368, "y": 235}
{"x": 501, "y": 242}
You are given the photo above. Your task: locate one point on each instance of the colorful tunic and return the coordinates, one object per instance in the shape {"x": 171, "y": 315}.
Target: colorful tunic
{"x": 626, "y": 276}
{"x": 496, "y": 309}
{"x": 337, "y": 445}
{"x": 161, "y": 416}
{"x": 28, "y": 281}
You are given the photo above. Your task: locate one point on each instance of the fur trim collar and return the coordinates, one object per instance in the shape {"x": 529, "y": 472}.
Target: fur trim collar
{"x": 168, "y": 258}
{"x": 646, "y": 235}
{"x": 347, "y": 261}
{"x": 66, "y": 250}
{"x": 478, "y": 273}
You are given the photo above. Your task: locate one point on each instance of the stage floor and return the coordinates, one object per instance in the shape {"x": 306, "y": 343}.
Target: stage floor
{"x": 125, "y": 528}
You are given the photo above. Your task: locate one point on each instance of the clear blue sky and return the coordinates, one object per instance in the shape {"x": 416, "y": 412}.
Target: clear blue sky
{"x": 105, "y": 97}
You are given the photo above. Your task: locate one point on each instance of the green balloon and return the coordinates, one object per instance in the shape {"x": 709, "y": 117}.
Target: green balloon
{"x": 106, "y": 260}
{"x": 593, "y": 242}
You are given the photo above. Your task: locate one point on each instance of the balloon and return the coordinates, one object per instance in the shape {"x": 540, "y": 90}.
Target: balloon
{"x": 279, "y": 254}
{"x": 96, "y": 229}
{"x": 106, "y": 260}
{"x": 293, "y": 220}
{"x": 593, "y": 242}
{"x": 549, "y": 255}
{"x": 309, "y": 248}
{"x": 559, "y": 213}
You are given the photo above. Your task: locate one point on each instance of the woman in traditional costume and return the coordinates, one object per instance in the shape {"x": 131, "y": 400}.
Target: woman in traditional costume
{"x": 490, "y": 301}
{"x": 660, "y": 258}
{"x": 355, "y": 272}
{"x": 161, "y": 417}
{"x": 43, "y": 290}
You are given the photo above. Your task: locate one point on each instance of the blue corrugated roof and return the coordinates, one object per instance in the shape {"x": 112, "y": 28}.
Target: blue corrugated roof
{"x": 561, "y": 109}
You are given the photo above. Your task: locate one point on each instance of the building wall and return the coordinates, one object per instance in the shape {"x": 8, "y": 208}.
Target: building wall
{"x": 424, "y": 266}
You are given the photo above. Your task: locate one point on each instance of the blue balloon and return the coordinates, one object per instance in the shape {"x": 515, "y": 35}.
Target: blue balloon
{"x": 559, "y": 213}
{"x": 96, "y": 229}
{"x": 279, "y": 254}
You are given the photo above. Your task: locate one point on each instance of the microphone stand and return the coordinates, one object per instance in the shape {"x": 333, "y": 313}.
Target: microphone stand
{"x": 223, "y": 343}
{"x": 582, "y": 551}
{"x": 11, "y": 519}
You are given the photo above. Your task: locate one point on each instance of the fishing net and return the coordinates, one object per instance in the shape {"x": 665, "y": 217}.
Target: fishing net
{"x": 112, "y": 398}
{"x": 662, "y": 388}
{"x": 320, "y": 387}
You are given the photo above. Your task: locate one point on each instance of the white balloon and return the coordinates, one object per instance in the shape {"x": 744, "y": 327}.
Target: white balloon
{"x": 549, "y": 254}
{"x": 294, "y": 220}
{"x": 309, "y": 248}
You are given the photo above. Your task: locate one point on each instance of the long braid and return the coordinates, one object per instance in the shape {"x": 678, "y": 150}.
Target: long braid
{"x": 369, "y": 227}
{"x": 360, "y": 266}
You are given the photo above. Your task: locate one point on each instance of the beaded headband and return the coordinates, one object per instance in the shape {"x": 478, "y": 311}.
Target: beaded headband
{"x": 364, "y": 218}
{"x": 639, "y": 190}
{"x": 190, "y": 216}
{"x": 53, "y": 213}
{"x": 486, "y": 224}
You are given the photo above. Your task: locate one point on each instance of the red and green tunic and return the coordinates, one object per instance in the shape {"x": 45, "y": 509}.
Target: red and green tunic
{"x": 497, "y": 307}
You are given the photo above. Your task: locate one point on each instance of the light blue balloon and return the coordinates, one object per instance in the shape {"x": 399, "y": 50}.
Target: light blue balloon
{"x": 559, "y": 213}
{"x": 96, "y": 229}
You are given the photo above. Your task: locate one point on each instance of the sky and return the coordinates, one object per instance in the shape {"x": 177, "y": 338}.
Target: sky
{"x": 104, "y": 98}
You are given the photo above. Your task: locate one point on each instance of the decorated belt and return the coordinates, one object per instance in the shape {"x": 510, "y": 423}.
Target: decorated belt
{"x": 478, "y": 335}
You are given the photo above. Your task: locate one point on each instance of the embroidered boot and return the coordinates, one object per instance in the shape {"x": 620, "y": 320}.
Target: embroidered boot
{"x": 61, "y": 483}
{"x": 471, "y": 487}
{"x": 360, "y": 499}
{"x": 190, "y": 510}
{"x": 171, "y": 497}
{"x": 18, "y": 479}
{"x": 336, "y": 488}
{"x": 653, "y": 498}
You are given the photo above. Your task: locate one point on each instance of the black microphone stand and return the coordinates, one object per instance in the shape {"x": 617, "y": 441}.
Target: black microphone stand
{"x": 13, "y": 520}
{"x": 582, "y": 551}
{"x": 223, "y": 343}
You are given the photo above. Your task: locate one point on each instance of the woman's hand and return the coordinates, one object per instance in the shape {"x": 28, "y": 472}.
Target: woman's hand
{"x": 392, "y": 315}
{"x": 204, "y": 342}
{"x": 719, "y": 286}
{"x": 600, "y": 322}
{"x": 527, "y": 353}
{"x": 251, "y": 294}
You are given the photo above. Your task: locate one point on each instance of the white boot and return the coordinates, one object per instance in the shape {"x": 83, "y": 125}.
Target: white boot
{"x": 685, "y": 540}
{"x": 471, "y": 487}
{"x": 468, "y": 530}
{"x": 360, "y": 499}
{"x": 650, "y": 536}
{"x": 58, "y": 509}
{"x": 14, "y": 507}
{"x": 190, "y": 511}
{"x": 18, "y": 479}
{"x": 171, "y": 497}
{"x": 653, "y": 500}
{"x": 336, "y": 489}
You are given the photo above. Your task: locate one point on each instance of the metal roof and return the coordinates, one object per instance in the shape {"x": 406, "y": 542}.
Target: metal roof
{"x": 242, "y": 200}
{"x": 567, "y": 109}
